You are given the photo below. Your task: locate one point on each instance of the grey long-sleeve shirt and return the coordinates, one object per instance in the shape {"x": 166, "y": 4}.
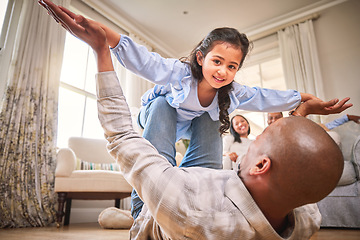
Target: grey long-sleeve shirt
{"x": 185, "y": 203}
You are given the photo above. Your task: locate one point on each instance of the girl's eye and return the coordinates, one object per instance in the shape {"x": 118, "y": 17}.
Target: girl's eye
{"x": 232, "y": 67}
{"x": 217, "y": 62}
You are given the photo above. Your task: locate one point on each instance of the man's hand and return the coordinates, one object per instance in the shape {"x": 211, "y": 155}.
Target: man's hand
{"x": 89, "y": 31}
{"x": 317, "y": 106}
{"x": 85, "y": 29}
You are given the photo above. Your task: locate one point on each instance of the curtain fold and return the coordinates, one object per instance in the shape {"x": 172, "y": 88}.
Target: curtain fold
{"x": 300, "y": 59}
{"x": 135, "y": 86}
{"x": 28, "y": 121}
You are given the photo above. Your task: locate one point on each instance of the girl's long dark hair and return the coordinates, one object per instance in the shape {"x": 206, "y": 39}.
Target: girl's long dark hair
{"x": 234, "y": 133}
{"x": 220, "y": 35}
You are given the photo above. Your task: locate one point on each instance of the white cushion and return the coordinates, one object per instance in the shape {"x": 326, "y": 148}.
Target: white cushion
{"x": 349, "y": 175}
{"x": 65, "y": 165}
{"x": 92, "y": 181}
{"x": 91, "y": 150}
{"x": 336, "y": 137}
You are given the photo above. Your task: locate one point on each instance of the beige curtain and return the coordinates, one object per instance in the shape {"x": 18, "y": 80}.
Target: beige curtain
{"x": 134, "y": 86}
{"x": 28, "y": 121}
{"x": 300, "y": 59}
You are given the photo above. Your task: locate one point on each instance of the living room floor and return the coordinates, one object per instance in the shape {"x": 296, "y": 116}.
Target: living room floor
{"x": 93, "y": 231}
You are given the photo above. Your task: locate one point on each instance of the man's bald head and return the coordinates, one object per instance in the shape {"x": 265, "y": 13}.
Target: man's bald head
{"x": 306, "y": 163}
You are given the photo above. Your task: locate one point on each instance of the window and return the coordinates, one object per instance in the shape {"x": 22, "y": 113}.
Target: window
{"x": 5, "y": 10}
{"x": 9, "y": 21}
{"x": 3, "y": 7}
{"x": 264, "y": 69}
{"x": 77, "y": 100}
{"x": 77, "y": 106}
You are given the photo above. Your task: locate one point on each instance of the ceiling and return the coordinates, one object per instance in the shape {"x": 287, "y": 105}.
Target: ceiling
{"x": 175, "y": 26}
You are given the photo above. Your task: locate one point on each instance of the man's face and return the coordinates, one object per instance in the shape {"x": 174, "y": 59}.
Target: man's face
{"x": 260, "y": 146}
{"x": 255, "y": 150}
{"x": 272, "y": 117}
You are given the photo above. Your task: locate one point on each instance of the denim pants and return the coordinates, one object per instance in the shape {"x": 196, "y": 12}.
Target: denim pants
{"x": 158, "y": 119}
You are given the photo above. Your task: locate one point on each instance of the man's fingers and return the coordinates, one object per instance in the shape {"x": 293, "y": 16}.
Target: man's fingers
{"x": 68, "y": 12}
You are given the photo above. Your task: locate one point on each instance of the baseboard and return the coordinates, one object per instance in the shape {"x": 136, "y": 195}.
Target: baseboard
{"x": 87, "y": 211}
{"x": 85, "y": 215}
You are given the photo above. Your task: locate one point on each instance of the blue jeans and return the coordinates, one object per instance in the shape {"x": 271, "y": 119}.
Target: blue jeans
{"x": 158, "y": 119}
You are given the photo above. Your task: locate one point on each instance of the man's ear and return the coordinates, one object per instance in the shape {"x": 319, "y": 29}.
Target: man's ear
{"x": 199, "y": 58}
{"x": 261, "y": 167}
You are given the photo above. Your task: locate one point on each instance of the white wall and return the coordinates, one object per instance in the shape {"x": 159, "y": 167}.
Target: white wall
{"x": 338, "y": 40}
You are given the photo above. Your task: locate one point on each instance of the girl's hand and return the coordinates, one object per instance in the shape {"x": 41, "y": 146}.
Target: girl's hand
{"x": 307, "y": 96}
{"x": 317, "y": 106}
{"x": 87, "y": 30}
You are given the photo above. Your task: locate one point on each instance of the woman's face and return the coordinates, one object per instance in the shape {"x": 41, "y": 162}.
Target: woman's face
{"x": 240, "y": 126}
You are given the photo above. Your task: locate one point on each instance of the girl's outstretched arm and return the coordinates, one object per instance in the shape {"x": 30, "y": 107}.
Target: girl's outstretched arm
{"x": 317, "y": 106}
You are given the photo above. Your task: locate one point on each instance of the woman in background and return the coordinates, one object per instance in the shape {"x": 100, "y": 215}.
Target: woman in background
{"x": 236, "y": 145}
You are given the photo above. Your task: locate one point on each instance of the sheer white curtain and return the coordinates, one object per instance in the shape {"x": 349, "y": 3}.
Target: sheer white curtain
{"x": 28, "y": 121}
{"x": 300, "y": 59}
{"x": 135, "y": 86}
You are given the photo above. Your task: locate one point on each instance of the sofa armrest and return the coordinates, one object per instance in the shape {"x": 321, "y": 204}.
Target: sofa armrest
{"x": 356, "y": 156}
{"x": 66, "y": 161}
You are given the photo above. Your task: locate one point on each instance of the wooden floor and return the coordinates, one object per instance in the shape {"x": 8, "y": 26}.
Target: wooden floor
{"x": 92, "y": 231}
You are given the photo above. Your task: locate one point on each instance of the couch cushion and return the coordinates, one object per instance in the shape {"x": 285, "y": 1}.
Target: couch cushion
{"x": 90, "y": 150}
{"x": 349, "y": 175}
{"x": 92, "y": 181}
{"x": 84, "y": 165}
{"x": 351, "y": 190}
{"x": 348, "y": 132}
{"x": 356, "y": 156}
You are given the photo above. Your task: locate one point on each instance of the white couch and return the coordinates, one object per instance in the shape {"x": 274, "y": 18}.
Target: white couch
{"x": 341, "y": 208}
{"x": 71, "y": 183}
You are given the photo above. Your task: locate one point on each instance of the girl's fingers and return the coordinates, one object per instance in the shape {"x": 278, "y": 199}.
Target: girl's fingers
{"x": 339, "y": 104}
{"x": 342, "y": 102}
{"x": 330, "y": 103}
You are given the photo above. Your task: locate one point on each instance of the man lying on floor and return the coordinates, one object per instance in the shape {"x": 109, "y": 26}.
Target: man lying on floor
{"x": 293, "y": 163}
{"x": 289, "y": 167}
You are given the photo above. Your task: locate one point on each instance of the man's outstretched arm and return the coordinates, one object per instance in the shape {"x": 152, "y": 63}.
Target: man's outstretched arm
{"x": 151, "y": 175}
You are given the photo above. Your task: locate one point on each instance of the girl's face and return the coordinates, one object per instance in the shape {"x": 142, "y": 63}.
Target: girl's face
{"x": 220, "y": 64}
{"x": 240, "y": 126}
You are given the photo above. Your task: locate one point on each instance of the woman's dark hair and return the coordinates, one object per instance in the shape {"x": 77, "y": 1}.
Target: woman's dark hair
{"x": 219, "y": 35}
{"x": 233, "y": 132}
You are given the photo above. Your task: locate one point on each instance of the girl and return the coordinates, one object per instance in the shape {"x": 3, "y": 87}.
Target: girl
{"x": 191, "y": 99}
{"x": 236, "y": 144}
